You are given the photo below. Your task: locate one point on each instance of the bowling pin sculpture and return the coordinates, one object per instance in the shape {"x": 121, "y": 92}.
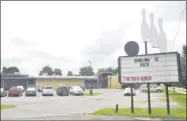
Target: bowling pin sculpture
{"x": 162, "y": 39}
{"x": 144, "y": 27}
{"x": 153, "y": 32}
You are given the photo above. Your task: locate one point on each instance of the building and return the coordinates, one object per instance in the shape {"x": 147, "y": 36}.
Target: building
{"x": 10, "y": 80}
{"x": 101, "y": 80}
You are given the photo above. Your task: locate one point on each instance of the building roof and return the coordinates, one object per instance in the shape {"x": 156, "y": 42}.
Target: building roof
{"x": 105, "y": 73}
{"x": 65, "y": 77}
{"x": 14, "y": 75}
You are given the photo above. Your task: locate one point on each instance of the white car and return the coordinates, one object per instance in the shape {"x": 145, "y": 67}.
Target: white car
{"x": 76, "y": 90}
{"x": 47, "y": 90}
{"x": 21, "y": 87}
{"x": 127, "y": 91}
{"x": 152, "y": 88}
{"x": 3, "y": 92}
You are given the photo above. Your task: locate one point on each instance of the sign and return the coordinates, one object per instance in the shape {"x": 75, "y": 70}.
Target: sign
{"x": 150, "y": 68}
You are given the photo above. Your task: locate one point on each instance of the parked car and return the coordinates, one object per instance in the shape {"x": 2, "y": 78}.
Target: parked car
{"x": 3, "y": 92}
{"x": 76, "y": 90}
{"x": 21, "y": 87}
{"x": 152, "y": 88}
{"x": 31, "y": 91}
{"x": 127, "y": 91}
{"x": 62, "y": 91}
{"x": 47, "y": 90}
{"x": 40, "y": 88}
{"x": 14, "y": 91}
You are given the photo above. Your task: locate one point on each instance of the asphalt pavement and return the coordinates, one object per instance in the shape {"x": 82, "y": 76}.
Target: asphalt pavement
{"x": 75, "y": 107}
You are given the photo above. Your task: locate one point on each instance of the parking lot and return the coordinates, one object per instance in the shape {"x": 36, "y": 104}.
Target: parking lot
{"x": 56, "y": 106}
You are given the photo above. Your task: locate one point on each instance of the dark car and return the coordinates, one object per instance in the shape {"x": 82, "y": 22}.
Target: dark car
{"x": 62, "y": 91}
{"x": 40, "y": 88}
{"x": 14, "y": 91}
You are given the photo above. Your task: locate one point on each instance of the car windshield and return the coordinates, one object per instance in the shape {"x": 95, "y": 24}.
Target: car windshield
{"x": 31, "y": 88}
{"x": 48, "y": 88}
{"x": 76, "y": 87}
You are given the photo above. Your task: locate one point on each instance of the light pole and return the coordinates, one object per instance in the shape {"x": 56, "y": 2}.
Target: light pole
{"x": 91, "y": 91}
{"x": 90, "y": 63}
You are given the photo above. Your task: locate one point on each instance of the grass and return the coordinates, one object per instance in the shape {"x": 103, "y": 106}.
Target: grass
{"x": 143, "y": 112}
{"x": 177, "y": 97}
{"x": 7, "y": 107}
{"x": 156, "y": 112}
{"x": 94, "y": 94}
{"x": 141, "y": 102}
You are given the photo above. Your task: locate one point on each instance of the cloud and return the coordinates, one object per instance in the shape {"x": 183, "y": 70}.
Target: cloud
{"x": 171, "y": 11}
{"x": 104, "y": 46}
{"x": 31, "y": 59}
{"x": 21, "y": 43}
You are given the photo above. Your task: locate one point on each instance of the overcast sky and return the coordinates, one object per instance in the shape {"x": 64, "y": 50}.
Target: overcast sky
{"x": 68, "y": 34}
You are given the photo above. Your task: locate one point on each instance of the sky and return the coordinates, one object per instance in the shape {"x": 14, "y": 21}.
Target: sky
{"x": 68, "y": 34}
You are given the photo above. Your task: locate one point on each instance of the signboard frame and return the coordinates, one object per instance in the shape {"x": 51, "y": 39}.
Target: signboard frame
{"x": 178, "y": 65}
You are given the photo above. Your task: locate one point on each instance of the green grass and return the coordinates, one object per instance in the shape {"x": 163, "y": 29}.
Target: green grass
{"x": 94, "y": 94}
{"x": 156, "y": 112}
{"x": 177, "y": 97}
{"x": 7, "y": 107}
{"x": 143, "y": 112}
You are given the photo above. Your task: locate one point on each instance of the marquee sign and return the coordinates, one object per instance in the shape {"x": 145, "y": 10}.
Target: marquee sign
{"x": 150, "y": 68}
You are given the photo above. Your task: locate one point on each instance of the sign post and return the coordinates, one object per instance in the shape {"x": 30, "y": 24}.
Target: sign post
{"x": 167, "y": 100}
{"x": 148, "y": 88}
{"x": 132, "y": 101}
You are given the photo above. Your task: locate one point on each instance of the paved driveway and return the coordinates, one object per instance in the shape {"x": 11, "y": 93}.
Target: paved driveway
{"x": 71, "y": 106}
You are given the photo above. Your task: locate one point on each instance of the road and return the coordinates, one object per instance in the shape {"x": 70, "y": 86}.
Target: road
{"x": 75, "y": 107}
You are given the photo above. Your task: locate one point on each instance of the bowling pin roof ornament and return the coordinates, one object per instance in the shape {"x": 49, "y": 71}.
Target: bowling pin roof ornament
{"x": 153, "y": 35}
{"x": 162, "y": 39}
{"x": 144, "y": 27}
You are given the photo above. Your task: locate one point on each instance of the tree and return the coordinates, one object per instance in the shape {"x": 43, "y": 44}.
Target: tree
{"x": 70, "y": 73}
{"x": 100, "y": 70}
{"x": 57, "y": 71}
{"x": 115, "y": 72}
{"x": 86, "y": 71}
{"x": 10, "y": 70}
{"x": 109, "y": 69}
{"x": 183, "y": 65}
{"x": 46, "y": 69}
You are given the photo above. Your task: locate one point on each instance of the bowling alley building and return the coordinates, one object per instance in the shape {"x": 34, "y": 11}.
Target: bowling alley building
{"x": 101, "y": 80}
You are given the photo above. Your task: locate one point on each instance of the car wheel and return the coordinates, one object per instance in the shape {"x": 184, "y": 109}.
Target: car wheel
{"x": 159, "y": 90}
{"x": 9, "y": 95}
{"x": 43, "y": 95}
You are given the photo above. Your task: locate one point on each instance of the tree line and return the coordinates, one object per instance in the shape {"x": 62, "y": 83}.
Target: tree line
{"x": 83, "y": 71}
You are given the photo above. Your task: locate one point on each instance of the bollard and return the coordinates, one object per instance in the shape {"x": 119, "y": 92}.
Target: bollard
{"x": 116, "y": 108}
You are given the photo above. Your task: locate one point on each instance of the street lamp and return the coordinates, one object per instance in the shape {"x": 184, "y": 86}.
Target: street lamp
{"x": 90, "y": 63}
